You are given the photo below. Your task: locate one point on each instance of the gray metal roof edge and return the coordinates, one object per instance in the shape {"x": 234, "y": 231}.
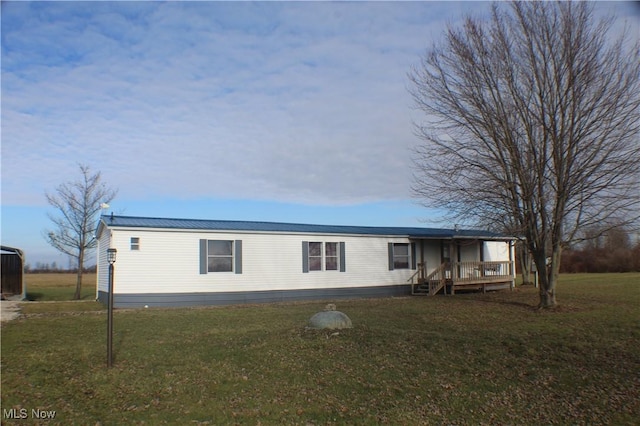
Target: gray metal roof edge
{"x": 13, "y": 250}
{"x": 261, "y": 226}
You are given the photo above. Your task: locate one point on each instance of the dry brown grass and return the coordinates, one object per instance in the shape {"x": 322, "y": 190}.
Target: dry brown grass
{"x": 43, "y": 287}
{"x": 466, "y": 359}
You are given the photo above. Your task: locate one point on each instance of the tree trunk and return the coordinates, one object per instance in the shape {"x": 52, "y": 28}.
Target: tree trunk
{"x": 526, "y": 271}
{"x": 549, "y": 278}
{"x": 77, "y": 294}
{"x": 525, "y": 263}
{"x": 547, "y": 296}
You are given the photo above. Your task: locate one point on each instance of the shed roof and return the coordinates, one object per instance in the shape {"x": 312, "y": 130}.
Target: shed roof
{"x": 12, "y": 250}
{"x": 112, "y": 221}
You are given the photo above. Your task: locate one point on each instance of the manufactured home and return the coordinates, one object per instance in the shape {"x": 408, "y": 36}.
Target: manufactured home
{"x": 185, "y": 262}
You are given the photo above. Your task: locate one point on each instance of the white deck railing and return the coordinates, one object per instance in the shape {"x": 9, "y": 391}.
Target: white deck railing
{"x": 461, "y": 273}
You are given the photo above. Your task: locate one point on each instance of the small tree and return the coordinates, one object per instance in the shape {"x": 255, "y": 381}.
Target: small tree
{"x": 531, "y": 119}
{"x": 77, "y": 206}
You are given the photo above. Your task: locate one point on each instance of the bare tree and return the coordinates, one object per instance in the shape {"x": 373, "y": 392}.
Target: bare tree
{"x": 77, "y": 206}
{"x": 531, "y": 119}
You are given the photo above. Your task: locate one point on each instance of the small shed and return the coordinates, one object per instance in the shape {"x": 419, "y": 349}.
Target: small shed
{"x": 12, "y": 272}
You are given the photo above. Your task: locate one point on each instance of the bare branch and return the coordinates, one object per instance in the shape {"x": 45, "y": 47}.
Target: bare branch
{"x": 531, "y": 122}
{"x": 77, "y": 205}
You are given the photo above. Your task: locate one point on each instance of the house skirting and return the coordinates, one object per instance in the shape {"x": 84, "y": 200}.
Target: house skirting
{"x": 139, "y": 300}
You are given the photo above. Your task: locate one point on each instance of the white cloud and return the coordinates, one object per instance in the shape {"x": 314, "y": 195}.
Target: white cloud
{"x": 301, "y": 102}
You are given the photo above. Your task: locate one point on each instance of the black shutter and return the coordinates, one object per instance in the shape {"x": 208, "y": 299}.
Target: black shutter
{"x": 305, "y": 256}
{"x": 390, "y": 246}
{"x": 238, "y": 255}
{"x": 343, "y": 258}
{"x": 203, "y": 256}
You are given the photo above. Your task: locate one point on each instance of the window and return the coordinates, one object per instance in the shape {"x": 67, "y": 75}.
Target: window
{"x": 319, "y": 256}
{"x": 135, "y": 243}
{"x": 402, "y": 256}
{"x": 315, "y": 256}
{"x": 331, "y": 256}
{"x": 220, "y": 256}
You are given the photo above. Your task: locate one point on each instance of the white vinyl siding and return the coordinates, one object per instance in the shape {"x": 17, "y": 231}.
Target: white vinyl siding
{"x": 102, "y": 265}
{"x": 469, "y": 252}
{"x": 496, "y": 251}
{"x": 432, "y": 255}
{"x": 170, "y": 262}
{"x": 174, "y": 262}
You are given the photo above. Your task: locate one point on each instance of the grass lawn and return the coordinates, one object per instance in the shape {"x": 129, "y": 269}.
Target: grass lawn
{"x": 43, "y": 287}
{"x": 464, "y": 359}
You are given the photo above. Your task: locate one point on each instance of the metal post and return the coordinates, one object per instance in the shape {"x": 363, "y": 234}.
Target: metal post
{"x": 110, "y": 319}
{"x": 111, "y": 258}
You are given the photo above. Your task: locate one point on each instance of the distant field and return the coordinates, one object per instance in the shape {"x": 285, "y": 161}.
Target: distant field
{"x": 462, "y": 360}
{"x": 43, "y": 287}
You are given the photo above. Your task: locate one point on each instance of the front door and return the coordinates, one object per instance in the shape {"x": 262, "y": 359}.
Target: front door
{"x": 446, "y": 258}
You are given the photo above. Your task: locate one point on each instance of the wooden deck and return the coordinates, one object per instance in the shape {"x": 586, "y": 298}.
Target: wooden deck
{"x": 455, "y": 276}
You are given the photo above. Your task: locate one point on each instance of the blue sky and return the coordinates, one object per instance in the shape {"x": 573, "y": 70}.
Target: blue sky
{"x": 277, "y": 111}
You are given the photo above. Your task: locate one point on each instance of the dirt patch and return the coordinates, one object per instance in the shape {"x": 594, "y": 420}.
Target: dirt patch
{"x": 9, "y": 310}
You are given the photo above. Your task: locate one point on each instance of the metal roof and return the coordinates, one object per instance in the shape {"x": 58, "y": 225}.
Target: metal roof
{"x": 12, "y": 250}
{"x": 248, "y": 226}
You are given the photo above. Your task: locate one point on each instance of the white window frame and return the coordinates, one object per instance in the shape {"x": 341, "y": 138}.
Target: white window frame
{"x": 336, "y": 256}
{"x": 323, "y": 256}
{"x": 320, "y": 257}
{"x": 402, "y": 256}
{"x": 221, "y": 256}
